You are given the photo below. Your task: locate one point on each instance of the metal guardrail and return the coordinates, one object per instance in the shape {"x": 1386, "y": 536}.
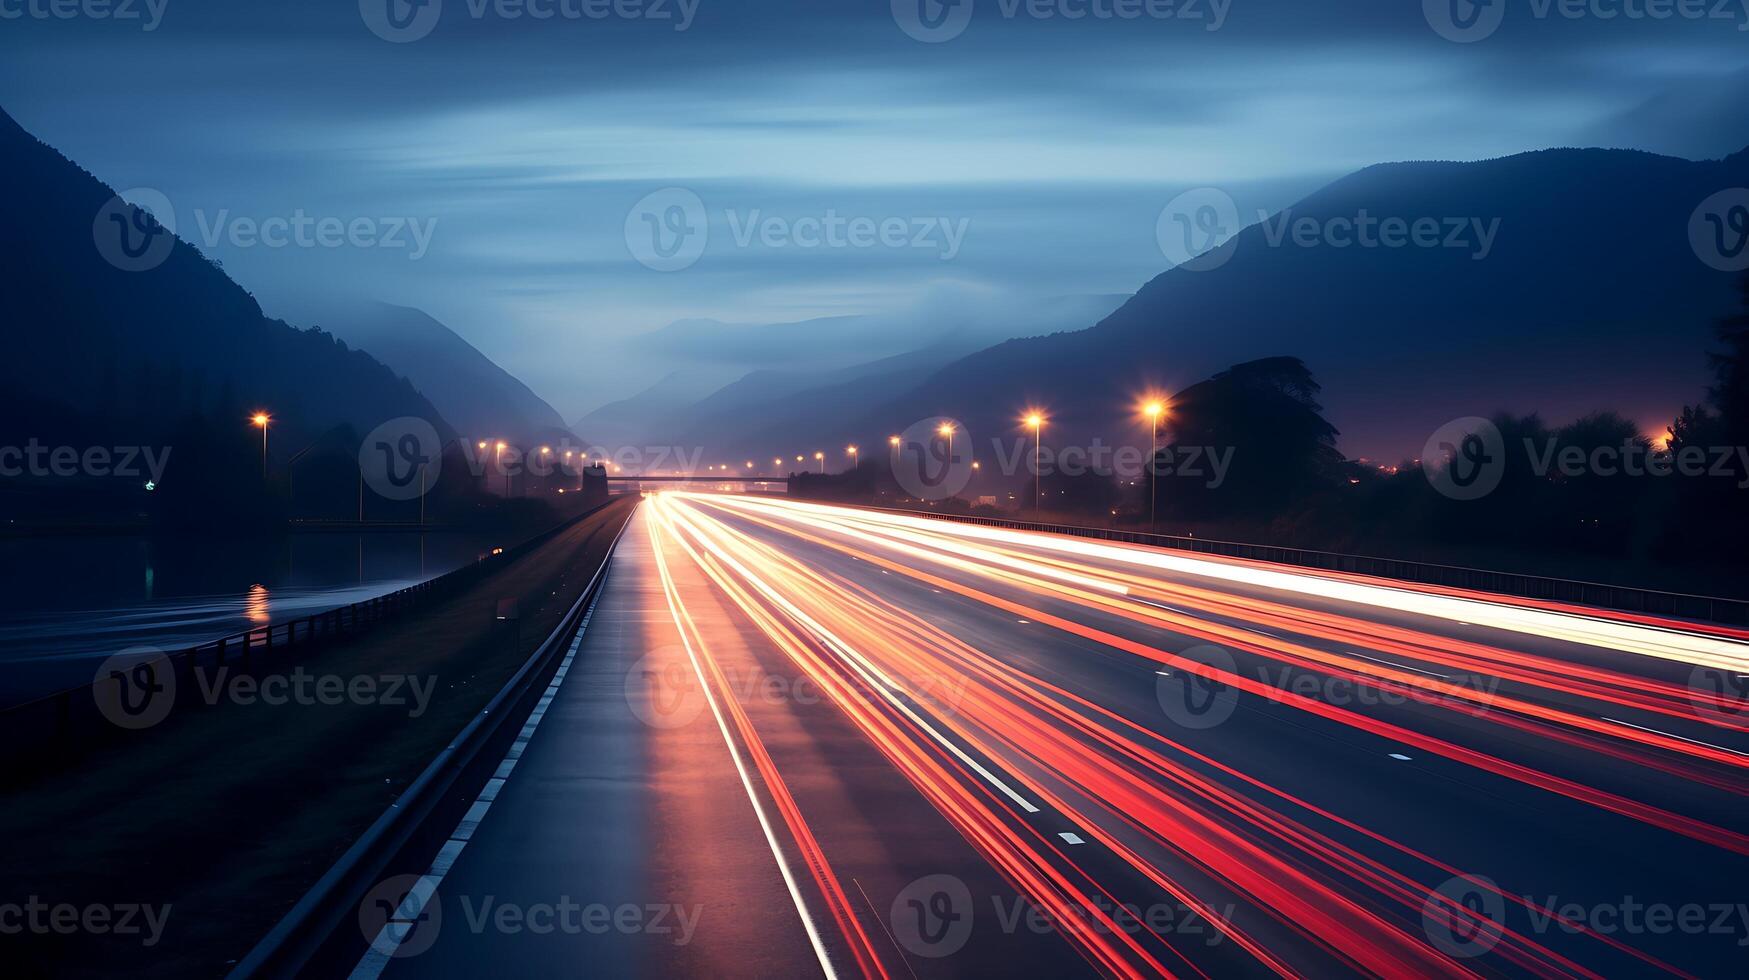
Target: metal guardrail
{"x": 1650, "y": 601}
{"x": 38, "y": 732}
{"x": 303, "y": 942}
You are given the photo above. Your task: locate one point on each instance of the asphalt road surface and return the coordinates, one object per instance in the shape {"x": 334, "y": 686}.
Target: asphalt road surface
{"x": 797, "y": 739}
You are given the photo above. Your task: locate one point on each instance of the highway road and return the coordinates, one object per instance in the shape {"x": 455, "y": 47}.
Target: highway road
{"x": 796, "y": 739}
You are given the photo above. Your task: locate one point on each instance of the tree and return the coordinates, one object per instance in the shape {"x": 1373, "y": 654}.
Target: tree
{"x": 1730, "y": 391}
{"x": 1260, "y": 418}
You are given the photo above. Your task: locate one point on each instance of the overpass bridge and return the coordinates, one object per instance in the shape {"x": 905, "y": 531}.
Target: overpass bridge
{"x": 780, "y": 482}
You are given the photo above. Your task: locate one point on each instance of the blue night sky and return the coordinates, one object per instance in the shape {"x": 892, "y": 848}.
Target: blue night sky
{"x": 1053, "y": 143}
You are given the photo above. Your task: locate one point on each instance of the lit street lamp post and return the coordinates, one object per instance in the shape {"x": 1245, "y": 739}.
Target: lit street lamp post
{"x": 1154, "y": 410}
{"x": 1036, "y": 423}
{"x": 261, "y": 419}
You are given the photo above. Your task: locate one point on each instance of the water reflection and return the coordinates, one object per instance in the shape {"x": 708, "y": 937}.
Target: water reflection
{"x": 255, "y": 605}
{"x": 69, "y": 602}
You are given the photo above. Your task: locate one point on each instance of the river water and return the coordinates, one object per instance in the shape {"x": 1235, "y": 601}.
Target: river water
{"x": 68, "y": 603}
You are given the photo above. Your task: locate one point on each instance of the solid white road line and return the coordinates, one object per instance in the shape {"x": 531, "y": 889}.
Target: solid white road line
{"x": 1680, "y": 738}
{"x": 671, "y": 593}
{"x": 388, "y": 940}
{"x": 1392, "y": 663}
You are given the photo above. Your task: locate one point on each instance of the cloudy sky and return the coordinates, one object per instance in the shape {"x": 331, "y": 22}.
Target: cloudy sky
{"x": 536, "y": 173}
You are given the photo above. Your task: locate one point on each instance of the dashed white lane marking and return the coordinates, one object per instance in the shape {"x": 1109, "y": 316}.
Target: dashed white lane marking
{"x": 1400, "y": 757}
{"x": 1162, "y": 605}
{"x": 870, "y": 673}
{"x": 1071, "y": 838}
{"x": 383, "y": 947}
{"x": 1680, "y": 738}
{"x": 1393, "y": 663}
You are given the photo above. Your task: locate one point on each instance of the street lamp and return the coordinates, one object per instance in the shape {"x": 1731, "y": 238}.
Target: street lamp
{"x": 1153, "y": 410}
{"x": 946, "y": 429}
{"x": 1036, "y": 422}
{"x": 821, "y": 459}
{"x": 854, "y": 458}
{"x": 261, "y": 419}
{"x": 498, "y": 460}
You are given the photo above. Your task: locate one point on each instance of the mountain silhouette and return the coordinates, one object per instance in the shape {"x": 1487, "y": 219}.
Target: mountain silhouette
{"x": 481, "y": 399}
{"x": 1589, "y": 295}
{"x": 111, "y": 345}
{"x": 813, "y": 391}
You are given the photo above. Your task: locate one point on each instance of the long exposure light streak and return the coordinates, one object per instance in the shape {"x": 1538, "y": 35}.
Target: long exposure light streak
{"x": 1014, "y": 759}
